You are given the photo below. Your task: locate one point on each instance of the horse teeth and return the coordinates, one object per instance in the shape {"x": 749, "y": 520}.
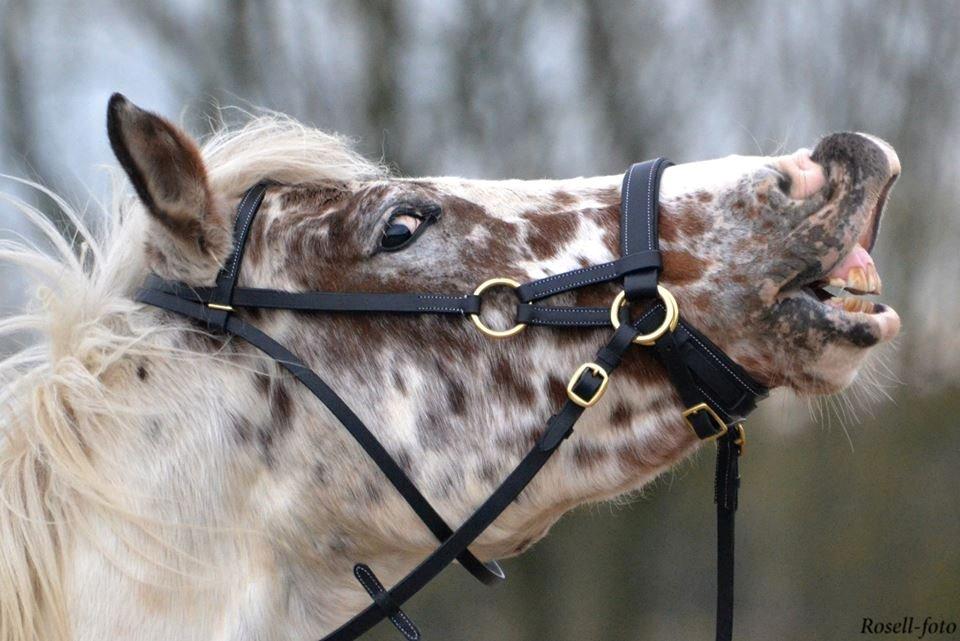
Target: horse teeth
{"x": 837, "y": 282}
{"x": 873, "y": 277}
{"x": 857, "y": 279}
{"x": 851, "y": 304}
{"x": 860, "y": 280}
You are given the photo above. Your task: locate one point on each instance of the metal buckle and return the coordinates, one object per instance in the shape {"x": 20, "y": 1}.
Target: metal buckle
{"x": 741, "y": 440}
{"x": 224, "y": 308}
{"x": 597, "y": 371}
{"x": 494, "y": 333}
{"x": 703, "y": 407}
{"x": 669, "y": 322}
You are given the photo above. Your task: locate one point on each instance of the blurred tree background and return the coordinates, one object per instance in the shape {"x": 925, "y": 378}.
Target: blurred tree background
{"x": 850, "y": 507}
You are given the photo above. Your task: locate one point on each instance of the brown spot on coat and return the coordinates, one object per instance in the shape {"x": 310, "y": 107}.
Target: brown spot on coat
{"x": 456, "y": 397}
{"x": 398, "y": 382}
{"x": 621, "y": 416}
{"x": 587, "y": 455}
{"x": 548, "y": 233}
{"x": 320, "y": 473}
{"x": 311, "y": 198}
{"x": 681, "y": 267}
{"x": 405, "y": 461}
{"x": 262, "y": 381}
{"x": 556, "y": 390}
{"x": 564, "y": 198}
{"x": 685, "y": 221}
{"x": 372, "y": 491}
{"x": 281, "y": 404}
{"x": 506, "y": 379}
{"x": 490, "y": 472}
{"x": 242, "y": 429}
{"x": 702, "y": 301}
{"x": 256, "y": 240}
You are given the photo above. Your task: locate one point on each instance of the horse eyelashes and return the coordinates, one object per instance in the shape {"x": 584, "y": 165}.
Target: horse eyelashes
{"x": 405, "y": 225}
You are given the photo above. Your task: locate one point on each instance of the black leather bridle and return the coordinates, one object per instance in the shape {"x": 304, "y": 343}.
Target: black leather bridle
{"x": 717, "y": 392}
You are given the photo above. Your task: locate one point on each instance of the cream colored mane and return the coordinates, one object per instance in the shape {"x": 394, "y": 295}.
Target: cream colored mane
{"x": 57, "y": 410}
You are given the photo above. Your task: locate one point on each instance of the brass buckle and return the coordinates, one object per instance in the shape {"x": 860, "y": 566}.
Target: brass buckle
{"x": 495, "y": 333}
{"x": 224, "y": 308}
{"x": 669, "y": 322}
{"x": 703, "y": 407}
{"x": 741, "y": 440}
{"x": 597, "y": 371}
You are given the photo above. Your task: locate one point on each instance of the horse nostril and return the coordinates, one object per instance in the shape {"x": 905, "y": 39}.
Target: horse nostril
{"x": 802, "y": 176}
{"x": 784, "y": 183}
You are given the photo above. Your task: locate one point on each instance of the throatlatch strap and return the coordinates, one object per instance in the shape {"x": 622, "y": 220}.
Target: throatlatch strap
{"x": 639, "y": 207}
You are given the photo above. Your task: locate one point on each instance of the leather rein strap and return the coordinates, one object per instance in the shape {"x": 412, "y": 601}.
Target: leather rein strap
{"x": 717, "y": 393}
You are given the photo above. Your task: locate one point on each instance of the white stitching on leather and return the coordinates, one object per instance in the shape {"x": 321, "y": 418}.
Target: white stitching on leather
{"x": 374, "y": 586}
{"x": 650, "y": 211}
{"x": 626, "y": 212}
{"x": 582, "y": 270}
{"x": 647, "y": 313}
{"x": 428, "y": 307}
{"x": 541, "y": 322}
{"x": 246, "y": 221}
{"x": 710, "y": 398}
{"x": 722, "y": 364}
{"x": 598, "y": 279}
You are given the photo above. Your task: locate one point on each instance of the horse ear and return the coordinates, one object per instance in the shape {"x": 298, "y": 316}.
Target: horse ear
{"x": 166, "y": 169}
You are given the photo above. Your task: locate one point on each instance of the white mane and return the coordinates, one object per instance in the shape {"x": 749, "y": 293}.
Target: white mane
{"x": 278, "y": 147}
{"x": 56, "y": 410}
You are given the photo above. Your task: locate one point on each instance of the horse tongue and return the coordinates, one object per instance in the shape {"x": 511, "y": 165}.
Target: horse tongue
{"x": 856, "y": 273}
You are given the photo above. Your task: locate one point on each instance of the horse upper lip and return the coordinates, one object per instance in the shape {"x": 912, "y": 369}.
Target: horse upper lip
{"x": 854, "y": 270}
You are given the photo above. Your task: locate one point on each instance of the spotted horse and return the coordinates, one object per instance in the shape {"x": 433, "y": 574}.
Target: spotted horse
{"x": 176, "y": 464}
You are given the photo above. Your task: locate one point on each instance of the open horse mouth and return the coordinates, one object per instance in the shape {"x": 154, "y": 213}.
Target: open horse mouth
{"x": 834, "y": 292}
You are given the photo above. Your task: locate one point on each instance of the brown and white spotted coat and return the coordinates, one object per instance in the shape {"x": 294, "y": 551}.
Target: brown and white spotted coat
{"x": 240, "y": 445}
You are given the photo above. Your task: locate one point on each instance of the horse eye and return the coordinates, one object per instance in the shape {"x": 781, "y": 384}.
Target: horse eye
{"x": 405, "y": 225}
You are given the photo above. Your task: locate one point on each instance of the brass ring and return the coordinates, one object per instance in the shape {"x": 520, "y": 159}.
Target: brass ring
{"x": 669, "y": 322}
{"x": 493, "y": 333}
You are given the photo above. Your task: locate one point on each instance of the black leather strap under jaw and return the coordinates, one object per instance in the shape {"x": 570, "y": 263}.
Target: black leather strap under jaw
{"x": 715, "y": 391}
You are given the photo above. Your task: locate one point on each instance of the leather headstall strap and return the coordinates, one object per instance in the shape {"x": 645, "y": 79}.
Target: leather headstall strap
{"x": 716, "y": 392}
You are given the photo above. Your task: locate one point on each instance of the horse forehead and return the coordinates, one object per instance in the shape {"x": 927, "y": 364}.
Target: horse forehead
{"x": 714, "y": 176}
